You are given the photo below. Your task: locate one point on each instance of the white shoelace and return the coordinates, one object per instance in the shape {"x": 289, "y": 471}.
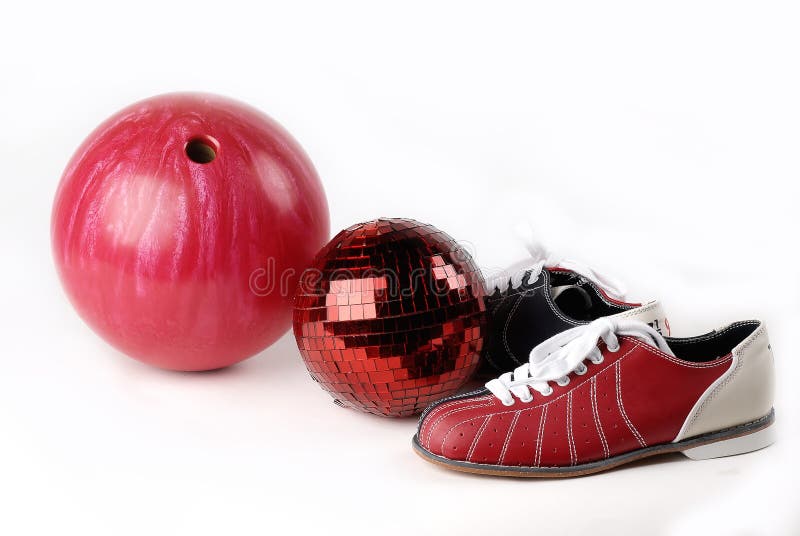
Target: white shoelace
{"x": 562, "y": 354}
{"x": 514, "y": 275}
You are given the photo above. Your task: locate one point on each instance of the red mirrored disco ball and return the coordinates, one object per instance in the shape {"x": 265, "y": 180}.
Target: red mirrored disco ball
{"x": 180, "y": 227}
{"x": 390, "y": 316}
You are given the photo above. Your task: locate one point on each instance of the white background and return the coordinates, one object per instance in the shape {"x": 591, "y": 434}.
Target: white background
{"x": 659, "y": 143}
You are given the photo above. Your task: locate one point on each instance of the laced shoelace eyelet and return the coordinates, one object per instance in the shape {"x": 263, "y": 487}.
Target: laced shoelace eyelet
{"x": 567, "y": 352}
{"x": 598, "y": 360}
{"x": 527, "y": 400}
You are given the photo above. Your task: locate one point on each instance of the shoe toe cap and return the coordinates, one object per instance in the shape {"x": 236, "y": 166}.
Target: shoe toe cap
{"x": 450, "y": 429}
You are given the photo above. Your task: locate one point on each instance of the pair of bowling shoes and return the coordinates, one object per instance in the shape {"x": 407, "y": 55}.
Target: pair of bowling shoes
{"x": 587, "y": 381}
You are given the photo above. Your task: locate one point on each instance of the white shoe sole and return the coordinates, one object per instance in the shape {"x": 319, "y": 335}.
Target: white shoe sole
{"x": 731, "y": 447}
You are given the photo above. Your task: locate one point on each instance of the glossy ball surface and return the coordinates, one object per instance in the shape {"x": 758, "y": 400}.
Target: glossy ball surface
{"x": 180, "y": 227}
{"x": 390, "y": 316}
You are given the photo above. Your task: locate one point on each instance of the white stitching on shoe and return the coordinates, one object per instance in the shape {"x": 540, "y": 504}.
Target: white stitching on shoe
{"x": 559, "y": 397}
{"x": 572, "y": 451}
{"x": 450, "y": 430}
{"x": 508, "y": 437}
{"x": 520, "y": 296}
{"x": 484, "y": 397}
{"x": 618, "y": 381}
{"x": 658, "y": 353}
{"x": 595, "y": 414}
{"x": 637, "y": 311}
{"x": 543, "y": 407}
{"x": 734, "y": 325}
{"x": 446, "y": 414}
{"x": 540, "y": 438}
{"x": 477, "y": 438}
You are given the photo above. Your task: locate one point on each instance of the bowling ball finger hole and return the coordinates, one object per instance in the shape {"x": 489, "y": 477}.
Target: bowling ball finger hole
{"x": 202, "y": 150}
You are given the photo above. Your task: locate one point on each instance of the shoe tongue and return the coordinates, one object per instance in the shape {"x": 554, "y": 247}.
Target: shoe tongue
{"x": 651, "y": 314}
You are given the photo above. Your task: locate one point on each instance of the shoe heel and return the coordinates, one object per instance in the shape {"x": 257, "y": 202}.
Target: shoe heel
{"x": 731, "y": 447}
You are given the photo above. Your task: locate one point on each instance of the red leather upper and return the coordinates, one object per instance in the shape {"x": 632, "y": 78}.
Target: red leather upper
{"x": 637, "y": 397}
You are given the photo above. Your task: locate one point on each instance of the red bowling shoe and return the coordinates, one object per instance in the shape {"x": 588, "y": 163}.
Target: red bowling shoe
{"x": 607, "y": 393}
